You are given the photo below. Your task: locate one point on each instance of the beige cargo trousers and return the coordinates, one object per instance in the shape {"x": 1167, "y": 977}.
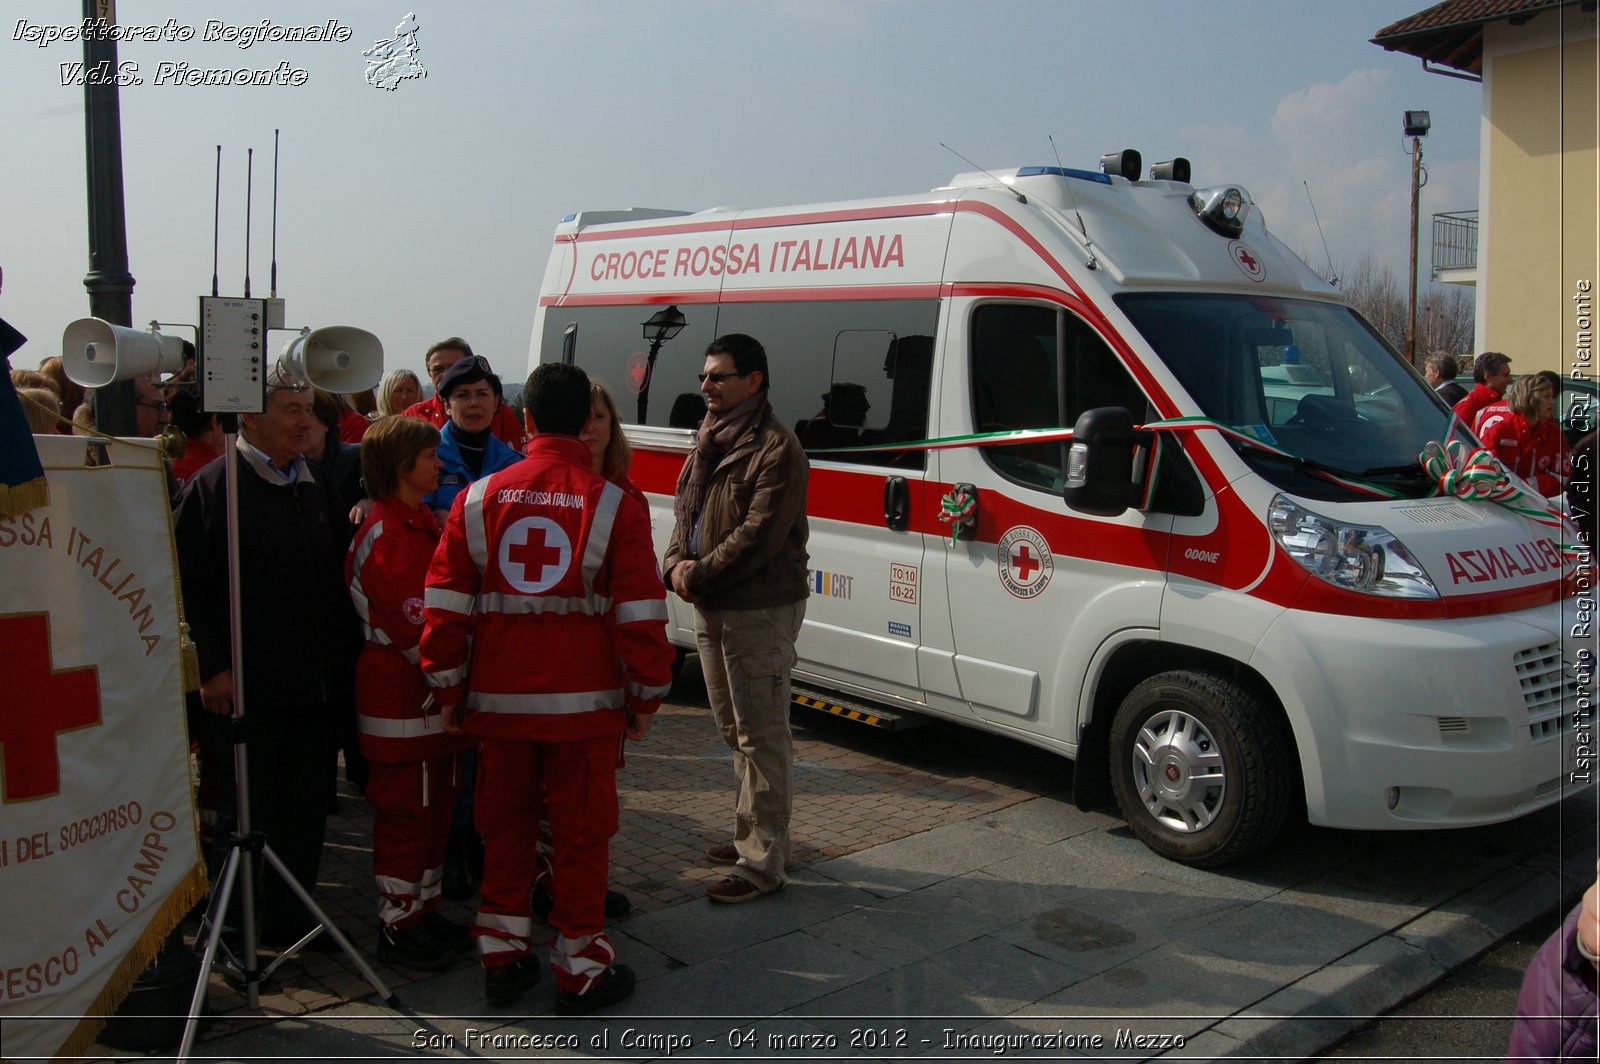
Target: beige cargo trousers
{"x": 746, "y": 656}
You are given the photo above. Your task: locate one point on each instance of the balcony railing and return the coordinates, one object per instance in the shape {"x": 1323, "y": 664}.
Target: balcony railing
{"x": 1455, "y": 241}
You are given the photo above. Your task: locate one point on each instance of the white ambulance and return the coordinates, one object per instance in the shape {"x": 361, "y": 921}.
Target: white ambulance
{"x": 1259, "y": 605}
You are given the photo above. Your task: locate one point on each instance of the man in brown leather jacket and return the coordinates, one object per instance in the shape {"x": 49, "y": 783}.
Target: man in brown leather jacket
{"x": 738, "y": 553}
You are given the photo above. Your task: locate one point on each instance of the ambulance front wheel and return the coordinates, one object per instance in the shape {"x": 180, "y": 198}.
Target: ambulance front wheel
{"x": 1202, "y": 767}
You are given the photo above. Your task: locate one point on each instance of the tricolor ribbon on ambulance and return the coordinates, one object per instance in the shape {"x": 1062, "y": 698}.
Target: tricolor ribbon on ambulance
{"x": 959, "y": 510}
{"x": 1459, "y": 469}
{"x": 1477, "y": 475}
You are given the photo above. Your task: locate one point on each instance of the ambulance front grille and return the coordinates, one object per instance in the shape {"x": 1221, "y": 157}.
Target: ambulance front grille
{"x": 1548, "y": 685}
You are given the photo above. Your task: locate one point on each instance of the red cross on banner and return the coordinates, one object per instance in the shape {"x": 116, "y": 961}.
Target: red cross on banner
{"x": 48, "y": 702}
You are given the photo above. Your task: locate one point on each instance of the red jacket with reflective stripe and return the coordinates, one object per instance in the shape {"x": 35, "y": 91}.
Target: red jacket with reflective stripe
{"x": 385, "y": 568}
{"x": 543, "y": 601}
{"x": 1535, "y": 452}
{"x": 506, "y": 423}
{"x": 1480, "y": 397}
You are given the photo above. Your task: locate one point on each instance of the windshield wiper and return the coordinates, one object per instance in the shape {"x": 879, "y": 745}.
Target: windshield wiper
{"x": 1245, "y": 450}
{"x": 1411, "y": 469}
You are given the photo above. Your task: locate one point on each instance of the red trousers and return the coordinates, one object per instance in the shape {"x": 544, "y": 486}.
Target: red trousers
{"x": 413, "y": 801}
{"x": 579, "y": 783}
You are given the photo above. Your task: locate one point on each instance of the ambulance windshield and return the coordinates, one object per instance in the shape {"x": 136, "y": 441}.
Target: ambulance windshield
{"x": 1310, "y": 381}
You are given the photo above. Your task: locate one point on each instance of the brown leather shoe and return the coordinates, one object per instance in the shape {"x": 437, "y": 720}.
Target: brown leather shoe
{"x": 731, "y": 890}
{"x": 723, "y": 853}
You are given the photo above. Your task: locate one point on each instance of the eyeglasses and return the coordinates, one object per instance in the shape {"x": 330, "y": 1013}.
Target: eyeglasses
{"x": 159, "y": 406}
{"x": 715, "y": 378}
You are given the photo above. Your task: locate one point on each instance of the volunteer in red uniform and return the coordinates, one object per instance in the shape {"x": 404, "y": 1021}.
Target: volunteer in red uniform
{"x": 612, "y": 458}
{"x": 413, "y": 781}
{"x": 506, "y": 424}
{"x": 549, "y": 555}
{"x": 1529, "y": 439}
{"x": 1491, "y": 375}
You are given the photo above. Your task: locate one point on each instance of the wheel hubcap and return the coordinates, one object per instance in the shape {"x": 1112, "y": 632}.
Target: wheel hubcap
{"x": 1178, "y": 769}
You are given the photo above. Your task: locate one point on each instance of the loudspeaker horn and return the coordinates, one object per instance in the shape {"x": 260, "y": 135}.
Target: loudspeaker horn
{"x": 96, "y": 353}
{"x": 339, "y": 358}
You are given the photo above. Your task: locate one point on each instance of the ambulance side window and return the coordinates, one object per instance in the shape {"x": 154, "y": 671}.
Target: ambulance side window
{"x": 1036, "y": 367}
{"x": 847, "y": 373}
{"x": 610, "y": 347}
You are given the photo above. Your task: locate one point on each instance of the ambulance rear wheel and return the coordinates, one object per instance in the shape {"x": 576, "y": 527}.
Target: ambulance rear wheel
{"x": 1201, "y": 767}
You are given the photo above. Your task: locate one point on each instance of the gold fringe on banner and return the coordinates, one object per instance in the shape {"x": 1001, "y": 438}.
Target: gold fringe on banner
{"x": 191, "y": 656}
{"x": 183, "y": 898}
{"x": 18, "y": 499}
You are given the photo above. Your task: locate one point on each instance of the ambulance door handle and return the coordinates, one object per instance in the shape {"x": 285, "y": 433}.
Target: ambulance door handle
{"x": 897, "y": 504}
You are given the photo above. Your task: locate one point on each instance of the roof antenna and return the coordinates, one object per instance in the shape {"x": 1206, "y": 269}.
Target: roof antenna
{"x": 216, "y": 222}
{"x": 1331, "y": 279}
{"x": 274, "y": 214}
{"x": 1020, "y": 197}
{"x": 249, "y": 170}
{"x": 1093, "y": 262}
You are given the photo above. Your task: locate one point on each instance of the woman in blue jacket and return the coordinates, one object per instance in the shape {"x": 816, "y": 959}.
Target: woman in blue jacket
{"x": 467, "y": 447}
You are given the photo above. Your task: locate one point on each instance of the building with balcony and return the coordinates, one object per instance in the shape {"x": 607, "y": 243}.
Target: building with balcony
{"x": 1455, "y": 247}
{"x": 1531, "y": 245}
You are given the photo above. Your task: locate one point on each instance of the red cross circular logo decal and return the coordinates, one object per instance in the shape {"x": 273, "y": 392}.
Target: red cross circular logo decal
{"x": 412, "y": 608}
{"x": 535, "y": 554}
{"x": 1025, "y": 562}
{"x": 1246, "y": 260}
{"x": 634, "y": 372}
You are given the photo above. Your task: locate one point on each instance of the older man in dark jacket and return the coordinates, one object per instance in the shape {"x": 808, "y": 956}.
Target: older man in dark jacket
{"x": 738, "y": 553}
{"x": 300, "y": 638}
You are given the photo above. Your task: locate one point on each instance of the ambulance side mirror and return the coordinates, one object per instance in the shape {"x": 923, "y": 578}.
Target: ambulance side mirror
{"x": 1101, "y": 462}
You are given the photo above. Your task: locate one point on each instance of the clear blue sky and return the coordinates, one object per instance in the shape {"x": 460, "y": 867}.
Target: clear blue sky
{"x": 428, "y": 210}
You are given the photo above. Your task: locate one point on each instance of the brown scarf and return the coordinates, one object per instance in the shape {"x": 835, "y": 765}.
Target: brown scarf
{"x": 718, "y": 433}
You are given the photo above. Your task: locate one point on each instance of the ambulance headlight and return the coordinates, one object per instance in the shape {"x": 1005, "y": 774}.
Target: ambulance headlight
{"x": 1223, "y": 208}
{"x": 1354, "y": 557}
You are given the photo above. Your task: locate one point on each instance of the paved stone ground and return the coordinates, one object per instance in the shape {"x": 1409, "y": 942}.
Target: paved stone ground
{"x": 855, "y": 788}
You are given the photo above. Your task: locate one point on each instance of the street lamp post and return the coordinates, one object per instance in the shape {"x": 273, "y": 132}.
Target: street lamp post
{"x": 662, "y": 326}
{"x": 1417, "y": 124}
{"x": 109, "y": 283}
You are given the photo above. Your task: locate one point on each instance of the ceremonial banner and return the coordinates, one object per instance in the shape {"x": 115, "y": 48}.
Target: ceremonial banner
{"x": 99, "y": 849}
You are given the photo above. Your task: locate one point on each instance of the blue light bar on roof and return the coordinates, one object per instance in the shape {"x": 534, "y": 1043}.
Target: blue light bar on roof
{"x": 1062, "y": 171}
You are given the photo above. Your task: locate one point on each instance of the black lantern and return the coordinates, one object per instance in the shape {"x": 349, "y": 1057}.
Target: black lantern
{"x": 662, "y": 326}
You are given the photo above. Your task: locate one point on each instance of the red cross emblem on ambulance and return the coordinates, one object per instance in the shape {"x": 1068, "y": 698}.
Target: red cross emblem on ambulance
{"x": 1247, "y": 261}
{"x": 1026, "y": 564}
{"x": 535, "y": 554}
{"x": 634, "y": 372}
